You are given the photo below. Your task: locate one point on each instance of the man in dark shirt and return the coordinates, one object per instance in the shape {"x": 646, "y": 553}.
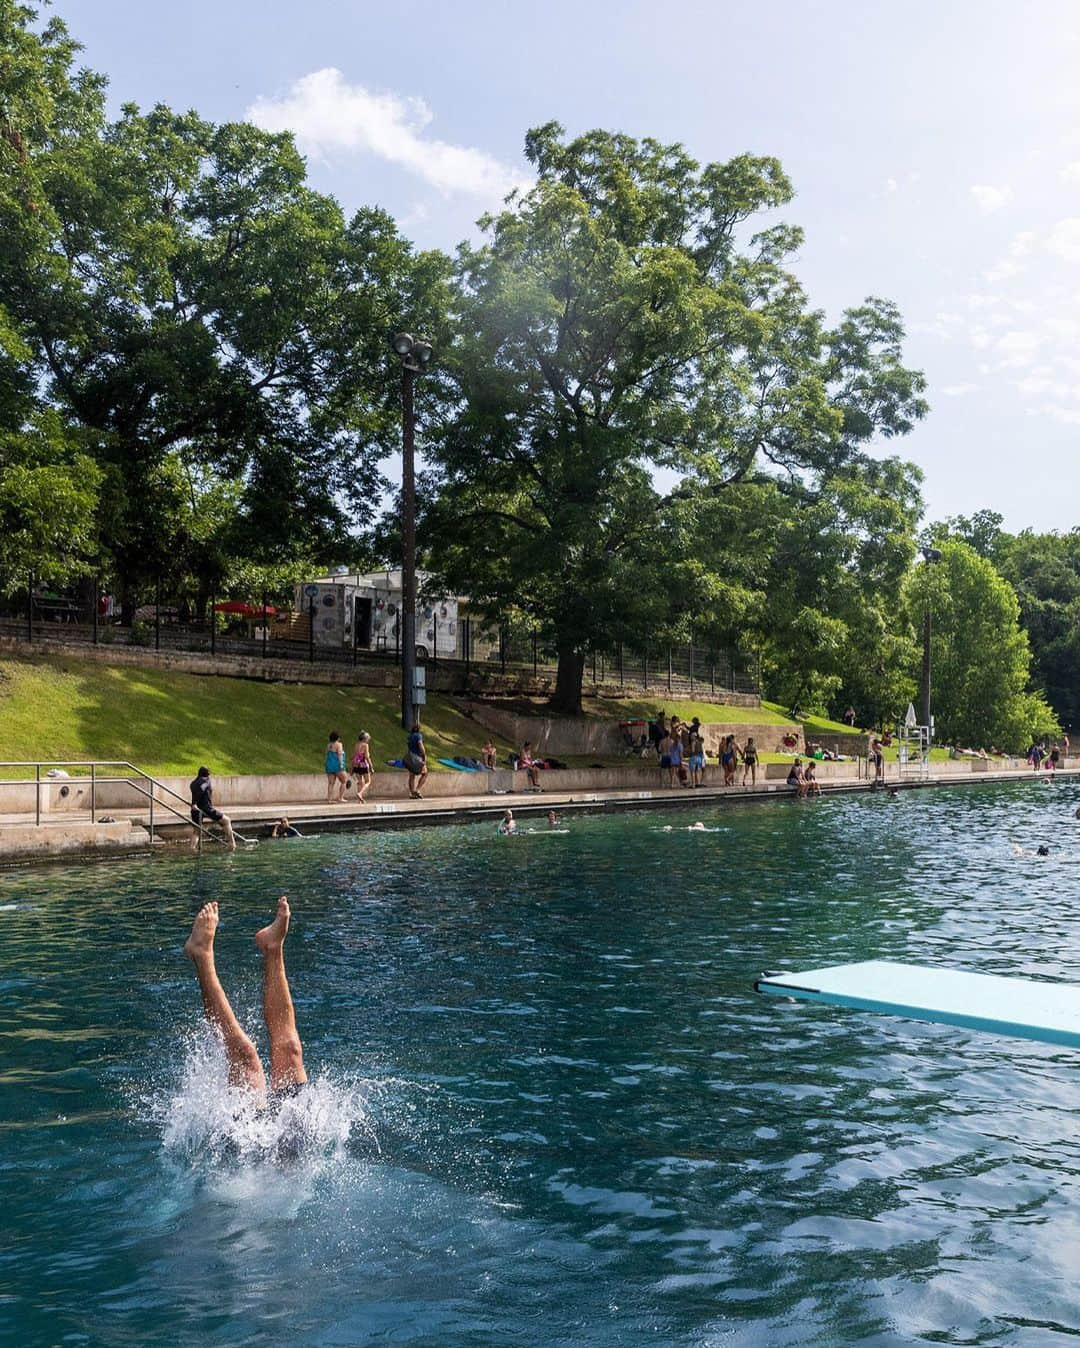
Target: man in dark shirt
{"x": 204, "y": 812}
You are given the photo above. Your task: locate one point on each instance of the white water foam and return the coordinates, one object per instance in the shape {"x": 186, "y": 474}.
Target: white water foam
{"x": 206, "y": 1120}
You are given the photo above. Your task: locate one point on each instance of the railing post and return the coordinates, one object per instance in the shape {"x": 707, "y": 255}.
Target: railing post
{"x": 213, "y": 619}
{"x": 37, "y": 793}
{"x": 93, "y": 793}
{"x": 311, "y": 631}
{"x": 151, "y": 811}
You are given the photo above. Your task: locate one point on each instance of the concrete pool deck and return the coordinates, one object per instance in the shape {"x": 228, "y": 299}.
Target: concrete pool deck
{"x": 65, "y": 834}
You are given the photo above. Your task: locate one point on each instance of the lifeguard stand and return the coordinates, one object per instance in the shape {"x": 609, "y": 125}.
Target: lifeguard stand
{"x": 914, "y": 748}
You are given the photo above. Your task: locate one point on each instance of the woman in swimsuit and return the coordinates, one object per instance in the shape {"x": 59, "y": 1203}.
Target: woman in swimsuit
{"x": 335, "y": 770}
{"x": 729, "y": 757}
{"x": 749, "y": 758}
{"x": 362, "y": 767}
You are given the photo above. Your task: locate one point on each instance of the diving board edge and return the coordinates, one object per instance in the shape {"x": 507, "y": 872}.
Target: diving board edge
{"x": 771, "y": 985}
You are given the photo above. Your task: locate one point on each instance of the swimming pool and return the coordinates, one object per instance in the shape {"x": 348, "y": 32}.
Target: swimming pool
{"x": 549, "y": 1108}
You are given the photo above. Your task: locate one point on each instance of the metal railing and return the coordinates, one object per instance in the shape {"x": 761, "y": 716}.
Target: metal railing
{"x": 139, "y": 781}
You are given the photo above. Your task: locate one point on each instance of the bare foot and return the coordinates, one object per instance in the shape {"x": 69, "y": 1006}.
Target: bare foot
{"x": 273, "y": 936}
{"x": 201, "y": 941}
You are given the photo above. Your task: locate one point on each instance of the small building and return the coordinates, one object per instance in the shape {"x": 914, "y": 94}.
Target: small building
{"x": 365, "y": 610}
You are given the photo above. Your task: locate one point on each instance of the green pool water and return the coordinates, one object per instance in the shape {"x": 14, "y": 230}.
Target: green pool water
{"x": 547, "y": 1106}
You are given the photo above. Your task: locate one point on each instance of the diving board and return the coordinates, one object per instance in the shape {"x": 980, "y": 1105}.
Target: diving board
{"x": 1047, "y": 1012}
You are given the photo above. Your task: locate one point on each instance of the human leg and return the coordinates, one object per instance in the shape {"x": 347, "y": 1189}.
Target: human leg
{"x": 227, "y": 829}
{"x": 245, "y": 1069}
{"x": 286, "y": 1052}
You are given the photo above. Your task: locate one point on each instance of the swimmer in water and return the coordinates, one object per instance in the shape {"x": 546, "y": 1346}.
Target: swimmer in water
{"x": 553, "y": 819}
{"x": 287, "y": 1073}
{"x": 1041, "y": 851}
{"x": 698, "y": 825}
{"x": 508, "y": 824}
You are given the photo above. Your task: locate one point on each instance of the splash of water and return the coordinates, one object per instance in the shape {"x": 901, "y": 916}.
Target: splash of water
{"x": 207, "y": 1121}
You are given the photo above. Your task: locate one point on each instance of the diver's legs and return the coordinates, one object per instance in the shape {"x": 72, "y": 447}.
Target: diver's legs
{"x": 245, "y": 1069}
{"x": 286, "y": 1052}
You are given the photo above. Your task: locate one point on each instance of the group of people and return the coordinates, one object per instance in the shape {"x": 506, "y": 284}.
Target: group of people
{"x": 1038, "y": 756}
{"x": 358, "y": 769}
{"x": 680, "y": 750}
{"x": 803, "y": 779}
{"x": 361, "y": 770}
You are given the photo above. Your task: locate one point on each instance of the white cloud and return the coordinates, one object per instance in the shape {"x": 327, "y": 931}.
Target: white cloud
{"x": 1071, "y": 172}
{"x": 1018, "y": 348}
{"x": 959, "y": 390}
{"x": 1064, "y": 239}
{"x": 891, "y": 185}
{"x": 990, "y": 199}
{"x": 327, "y": 113}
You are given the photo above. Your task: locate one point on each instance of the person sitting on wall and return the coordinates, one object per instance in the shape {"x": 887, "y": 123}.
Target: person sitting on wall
{"x": 530, "y": 766}
{"x": 811, "y": 785}
{"x": 796, "y": 778}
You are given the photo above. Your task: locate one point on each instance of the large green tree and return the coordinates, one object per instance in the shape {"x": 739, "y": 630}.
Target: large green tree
{"x": 188, "y": 304}
{"x": 621, "y": 319}
{"x": 980, "y": 655}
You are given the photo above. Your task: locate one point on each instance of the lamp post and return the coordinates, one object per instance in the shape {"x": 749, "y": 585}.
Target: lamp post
{"x": 930, "y": 556}
{"x": 414, "y": 356}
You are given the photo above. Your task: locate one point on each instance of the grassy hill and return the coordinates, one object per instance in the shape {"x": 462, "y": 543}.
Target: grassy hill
{"x": 169, "y": 722}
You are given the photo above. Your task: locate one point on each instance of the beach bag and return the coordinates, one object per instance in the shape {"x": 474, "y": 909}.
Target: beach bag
{"x": 684, "y": 776}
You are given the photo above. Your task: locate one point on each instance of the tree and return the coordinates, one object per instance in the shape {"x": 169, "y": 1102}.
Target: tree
{"x": 185, "y": 299}
{"x": 613, "y": 326}
{"x": 980, "y": 655}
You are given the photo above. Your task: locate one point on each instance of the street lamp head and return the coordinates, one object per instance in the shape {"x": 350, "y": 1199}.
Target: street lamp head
{"x": 422, "y": 352}
{"x": 402, "y": 343}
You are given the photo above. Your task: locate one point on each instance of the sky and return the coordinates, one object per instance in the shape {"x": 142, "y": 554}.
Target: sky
{"x": 934, "y": 148}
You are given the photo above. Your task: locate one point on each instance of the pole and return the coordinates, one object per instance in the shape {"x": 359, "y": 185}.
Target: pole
{"x": 97, "y": 600}
{"x": 691, "y": 648}
{"x": 534, "y": 655}
{"x": 669, "y": 670}
{"x": 213, "y": 623}
{"x": 93, "y": 793}
{"x": 37, "y": 793}
{"x": 924, "y": 697}
{"x": 645, "y": 669}
{"x": 157, "y": 615}
{"x": 408, "y": 549}
{"x": 30, "y": 607}
{"x": 465, "y": 634}
{"x": 265, "y": 624}
{"x": 620, "y": 665}
{"x": 311, "y": 632}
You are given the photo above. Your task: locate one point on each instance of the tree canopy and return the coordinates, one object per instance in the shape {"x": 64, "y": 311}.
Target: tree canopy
{"x": 622, "y": 319}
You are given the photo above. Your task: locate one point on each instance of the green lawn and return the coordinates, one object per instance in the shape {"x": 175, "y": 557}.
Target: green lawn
{"x": 630, "y": 708}
{"x": 168, "y": 722}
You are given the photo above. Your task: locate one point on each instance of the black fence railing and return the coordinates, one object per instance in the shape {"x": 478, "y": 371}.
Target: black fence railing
{"x": 256, "y": 628}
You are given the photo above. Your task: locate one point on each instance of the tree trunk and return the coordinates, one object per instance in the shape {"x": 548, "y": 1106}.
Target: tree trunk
{"x": 571, "y": 670}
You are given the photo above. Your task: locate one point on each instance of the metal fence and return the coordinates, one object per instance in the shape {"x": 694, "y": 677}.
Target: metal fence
{"x": 255, "y": 628}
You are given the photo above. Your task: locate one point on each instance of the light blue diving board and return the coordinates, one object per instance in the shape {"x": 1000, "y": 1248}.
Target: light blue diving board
{"x": 1047, "y": 1012}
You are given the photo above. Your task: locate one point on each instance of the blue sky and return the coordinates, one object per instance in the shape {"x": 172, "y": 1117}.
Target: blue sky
{"x": 935, "y": 151}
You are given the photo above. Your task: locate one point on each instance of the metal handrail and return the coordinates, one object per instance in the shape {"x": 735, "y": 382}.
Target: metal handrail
{"x": 94, "y": 780}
